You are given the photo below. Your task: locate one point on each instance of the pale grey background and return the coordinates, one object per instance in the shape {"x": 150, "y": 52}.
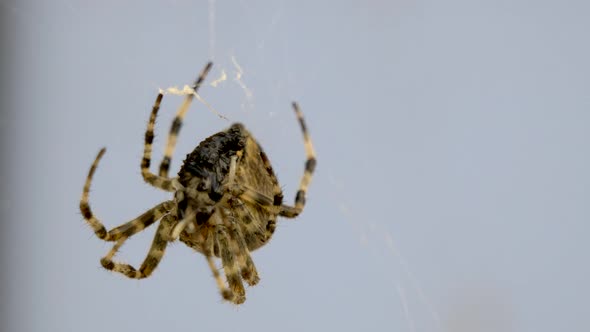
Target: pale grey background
{"x": 452, "y": 190}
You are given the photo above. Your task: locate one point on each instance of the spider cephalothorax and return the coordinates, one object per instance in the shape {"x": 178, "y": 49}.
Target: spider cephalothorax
{"x": 226, "y": 202}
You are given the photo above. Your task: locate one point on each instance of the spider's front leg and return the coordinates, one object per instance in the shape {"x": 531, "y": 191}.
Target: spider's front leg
{"x": 159, "y": 182}
{"x": 209, "y": 254}
{"x": 245, "y": 263}
{"x": 177, "y": 123}
{"x": 230, "y": 267}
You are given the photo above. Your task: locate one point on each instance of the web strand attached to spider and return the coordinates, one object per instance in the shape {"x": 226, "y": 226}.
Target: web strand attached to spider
{"x": 222, "y": 78}
{"x": 187, "y": 90}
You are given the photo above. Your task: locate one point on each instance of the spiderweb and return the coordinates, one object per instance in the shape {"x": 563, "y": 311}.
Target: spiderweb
{"x": 255, "y": 78}
{"x": 374, "y": 237}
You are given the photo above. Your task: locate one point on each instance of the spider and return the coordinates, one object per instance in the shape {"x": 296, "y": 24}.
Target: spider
{"x": 225, "y": 205}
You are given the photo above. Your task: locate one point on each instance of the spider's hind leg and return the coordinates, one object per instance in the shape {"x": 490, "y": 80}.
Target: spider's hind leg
{"x": 310, "y": 163}
{"x": 274, "y": 204}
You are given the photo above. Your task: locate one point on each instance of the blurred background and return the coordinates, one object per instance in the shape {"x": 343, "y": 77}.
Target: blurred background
{"x": 452, "y": 189}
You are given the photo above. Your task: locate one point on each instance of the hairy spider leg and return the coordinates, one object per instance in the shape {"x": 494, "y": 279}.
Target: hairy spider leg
{"x": 159, "y": 182}
{"x": 310, "y": 163}
{"x": 225, "y": 237}
{"x": 245, "y": 263}
{"x": 153, "y": 257}
{"x": 272, "y": 203}
{"x": 208, "y": 252}
{"x": 230, "y": 266}
{"x": 126, "y": 230}
{"x": 177, "y": 123}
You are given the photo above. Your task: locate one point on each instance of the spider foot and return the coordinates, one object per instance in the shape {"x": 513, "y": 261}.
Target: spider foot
{"x": 251, "y": 277}
{"x": 229, "y": 296}
{"x": 239, "y": 299}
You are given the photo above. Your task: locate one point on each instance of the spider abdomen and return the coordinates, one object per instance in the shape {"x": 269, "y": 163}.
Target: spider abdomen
{"x": 206, "y": 169}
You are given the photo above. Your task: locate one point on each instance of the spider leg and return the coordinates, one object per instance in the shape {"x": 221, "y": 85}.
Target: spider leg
{"x": 126, "y": 230}
{"x": 153, "y": 257}
{"x": 218, "y": 243}
{"x": 208, "y": 252}
{"x": 140, "y": 223}
{"x": 274, "y": 204}
{"x": 230, "y": 267}
{"x": 177, "y": 123}
{"x": 310, "y": 163}
{"x": 247, "y": 267}
{"x": 159, "y": 182}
